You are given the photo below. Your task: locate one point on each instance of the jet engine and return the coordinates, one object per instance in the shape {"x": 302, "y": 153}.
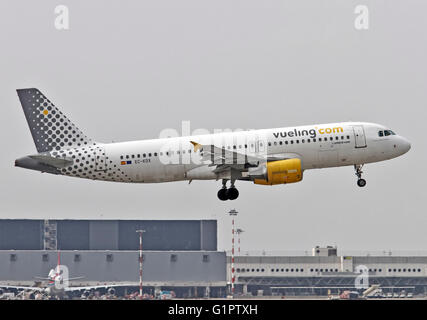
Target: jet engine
{"x": 277, "y": 172}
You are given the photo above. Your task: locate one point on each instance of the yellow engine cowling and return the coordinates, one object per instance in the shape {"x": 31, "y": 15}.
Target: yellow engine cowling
{"x": 282, "y": 171}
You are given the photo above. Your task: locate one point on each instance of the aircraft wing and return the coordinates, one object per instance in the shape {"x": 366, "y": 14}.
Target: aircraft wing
{"x": 220, "y": 156}
{"x": 225, "y": 159}
{"x": 22, "y": 288}
{"x": 104, "y": 286}
{"x": 50, "y": 279}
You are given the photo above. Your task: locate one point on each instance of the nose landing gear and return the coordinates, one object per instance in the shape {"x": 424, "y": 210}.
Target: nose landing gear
{"x": 358, "y": 168}
{"x": 228, "y": 194}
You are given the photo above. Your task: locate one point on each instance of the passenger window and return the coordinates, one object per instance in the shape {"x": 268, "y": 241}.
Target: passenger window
{"x": 320, "y": 139}
{"x": 292, "y": 141}
{"x": 331, "y": 138}
{"x": 133, "y": 156}
{"x": 286, "y": 142}
{"x": 336, "y": 138}
{"x": 297, "y": 141}
{"x": 308, "y": 140}
{"x": 302, "y": 140}
{"x": 314, "y": 139}
{"x": 121, "y": 157}
{"x": 348, "y": 137}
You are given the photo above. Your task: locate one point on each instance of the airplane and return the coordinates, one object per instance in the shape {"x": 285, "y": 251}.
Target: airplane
{"x": 58, "y": 283}
{"x": 265, "y": 157}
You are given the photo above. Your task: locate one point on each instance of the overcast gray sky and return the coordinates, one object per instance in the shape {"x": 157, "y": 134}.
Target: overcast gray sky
{"x": 128, "y": 69}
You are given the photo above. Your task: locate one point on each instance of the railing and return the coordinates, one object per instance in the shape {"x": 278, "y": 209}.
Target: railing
{"x": 355, "y": 253}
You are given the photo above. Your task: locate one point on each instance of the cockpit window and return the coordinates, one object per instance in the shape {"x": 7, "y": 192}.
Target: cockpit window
{"x": 388, "y": 133}
{"x": 385, "y": 133}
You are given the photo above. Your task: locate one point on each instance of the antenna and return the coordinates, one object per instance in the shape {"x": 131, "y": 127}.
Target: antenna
{"x": 58, "y": 263}
{"x": 233, "y": 213}
{"x": 140, "y": 232}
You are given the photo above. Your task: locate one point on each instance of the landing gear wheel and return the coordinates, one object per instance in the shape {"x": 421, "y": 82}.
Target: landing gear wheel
{"x": 223, "y": 194}
{"x": 361, "y": 182}
{"x": 358, "y": 168}
{"x": 232, "y": 193}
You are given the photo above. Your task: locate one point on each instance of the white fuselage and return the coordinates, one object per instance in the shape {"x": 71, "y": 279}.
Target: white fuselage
{"x": 175, "y": 159}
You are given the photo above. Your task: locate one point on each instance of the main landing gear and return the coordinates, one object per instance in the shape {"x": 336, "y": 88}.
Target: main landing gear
{"x": 358, "y": 168}
{"x": 228, "y": 194}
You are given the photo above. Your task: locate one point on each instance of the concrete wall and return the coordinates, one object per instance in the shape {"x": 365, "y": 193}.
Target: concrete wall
{"x": 21, "y": 234}
{"x": 73, "y": 234}
{"x": 103, "y": 235}
{"x": 111, "y": 234}
{"x": 159, "y": 267}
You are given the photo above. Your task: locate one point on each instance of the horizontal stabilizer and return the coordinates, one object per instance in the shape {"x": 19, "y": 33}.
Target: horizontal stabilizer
{"x": 43, "y": 163}
{"x": 42, "y": 278}
{"x": 52, "y": 161}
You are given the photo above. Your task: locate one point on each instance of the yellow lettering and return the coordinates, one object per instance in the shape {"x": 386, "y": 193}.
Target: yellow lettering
{"x": 330, "y": 130}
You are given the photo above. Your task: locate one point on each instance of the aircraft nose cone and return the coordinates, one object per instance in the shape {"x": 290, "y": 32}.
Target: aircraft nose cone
{"x": 405, "y": 145}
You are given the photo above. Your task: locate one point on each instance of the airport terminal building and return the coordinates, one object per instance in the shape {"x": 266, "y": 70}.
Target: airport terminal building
{"x": 325, "y": 272}
{"x": 182, "y": 255}
{"x": 179, "y": 255}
